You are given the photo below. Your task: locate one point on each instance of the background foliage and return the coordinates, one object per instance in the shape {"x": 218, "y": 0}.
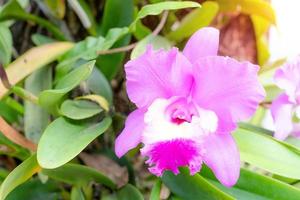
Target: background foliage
{"x": 65, "y": 101}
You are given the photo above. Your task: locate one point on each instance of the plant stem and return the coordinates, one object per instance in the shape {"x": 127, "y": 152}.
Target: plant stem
{"x": 131, "y": 46}
{"x": 24, "y": 94}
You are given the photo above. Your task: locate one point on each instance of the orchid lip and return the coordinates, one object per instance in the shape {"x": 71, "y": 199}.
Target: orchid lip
{"x": 176, "y": 127}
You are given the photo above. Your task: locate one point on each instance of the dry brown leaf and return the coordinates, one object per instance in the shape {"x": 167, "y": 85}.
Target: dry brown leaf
{"x": 106, "y": 166}
{"x": 164, "y": 192}
{"x": 237, "y": 39}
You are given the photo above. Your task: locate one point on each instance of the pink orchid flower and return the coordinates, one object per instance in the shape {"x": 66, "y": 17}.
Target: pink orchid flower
{"x": 187, "y": 105}
{"x": 285, "y": 108}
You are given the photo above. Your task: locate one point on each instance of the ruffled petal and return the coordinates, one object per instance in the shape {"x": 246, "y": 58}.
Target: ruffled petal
{"x": 172, "y": 154}
{"x": 288, "y": 79}
{"x": 282, "y": 113}
{"x": 204, "y": 42}
{"x": 131, "y": 135}
{"x": 158, "y": 74}
{"x": 222, "y": 156}
{"x": 296, "y": 130}
{"x": 229, "y": 88}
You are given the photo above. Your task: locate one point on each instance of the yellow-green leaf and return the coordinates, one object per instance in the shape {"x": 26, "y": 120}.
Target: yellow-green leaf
{"x": 251, "y": 7}
{"x": 19, "y": 175}
{"x": 32, "y": 60}
{"x": 101, "y": 101}
{"x": 57, "y": 7}
{"x": 195, "y": 20}
{"x": 261, "y": 26}
{"x": 157, "y": 8}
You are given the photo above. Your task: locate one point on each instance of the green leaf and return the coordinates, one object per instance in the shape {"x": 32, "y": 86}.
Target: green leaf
{"x": 6, "y": 44}
{"x": 32, "y": 60}
{"x": 252, "y": 185}
{"x": 293, "y": 141}
{"x": 19, "y": 175}
{"x": 238, "y": 193}
{"x": 84, "y": 13}
{"x": 78, "y": 175}
{"x": 110, "y": 64}
{"x": 85, "y": 50}
{"x": 13, "y": 10}
{"x": 88, "y": 50}
{"x": 194, "y": 187}
{"x": 98, "y": 84}
{"x": 14, "y": 104}
{"x": 36, "y": 118}
{"x": 195, "y": 20}
{"x": 23, "y": 3}
{"x": 3, "y": 174}
{"x": 267, "y": 153}
{"x": 39, "y": 39}
{"x": 141, "y": 31}
{"x": 11, "y": 149}
{"x": 8, "y": 113}
{"x": 158, "y": 8}
{"x": 101, "y": 101}
{"x": 79, "y": 109}
{"x": 50, "y": 98}
{"x": 129, "y": 192}
{"x": 155, "y": 192}
{"x": 251, "y": 7}
{"x": 63, "y": 140}
{"x": 116, "y": 14}
{"x": 57, "y": 7}
{"x": 255, "y": 129}
{"x": 157, "y": 42}
{"x": 35, "y": 190}
{"x": 113, "y": 35}
{"x": 77, "y": 194}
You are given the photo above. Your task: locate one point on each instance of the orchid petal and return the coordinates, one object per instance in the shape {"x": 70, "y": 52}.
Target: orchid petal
{"x": 281, "y": 111}
{"x": 158, "y": 74}
{"x": 222, "y": 156}
{"x": 131, "y": 135}
{"x": 229, "y": 88}
{"x": 172, "y": 154}
{"x": 204, "y": 42}
{"x": 288, "y": 79}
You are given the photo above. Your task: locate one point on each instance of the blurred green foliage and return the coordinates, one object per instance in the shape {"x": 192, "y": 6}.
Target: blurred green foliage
{"x": 100, "y": 36}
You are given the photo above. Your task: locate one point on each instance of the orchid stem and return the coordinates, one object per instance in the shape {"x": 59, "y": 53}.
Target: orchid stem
{"x": 24, "y": 94}
{"x": 131, "y": 46}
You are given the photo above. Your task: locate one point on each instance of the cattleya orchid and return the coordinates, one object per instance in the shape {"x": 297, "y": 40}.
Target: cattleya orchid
{"x": 285, "y": 108}
{"x": 188, "y": 103}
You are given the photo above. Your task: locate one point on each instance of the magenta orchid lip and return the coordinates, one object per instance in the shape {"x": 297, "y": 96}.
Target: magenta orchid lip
{"x": 188, "y": 103}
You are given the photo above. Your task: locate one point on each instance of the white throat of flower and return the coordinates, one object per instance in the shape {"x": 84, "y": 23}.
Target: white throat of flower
{"x": 297, "y": 111}
{"x": 159, "y": 128}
